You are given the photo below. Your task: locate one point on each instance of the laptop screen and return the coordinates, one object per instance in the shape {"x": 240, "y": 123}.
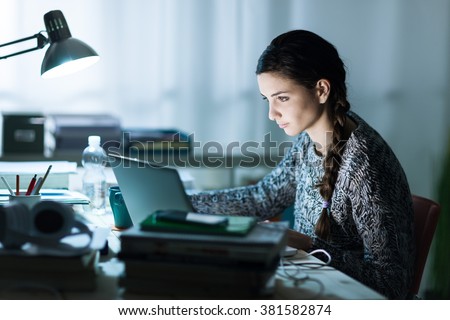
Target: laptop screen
{"x": 147, "y": 187}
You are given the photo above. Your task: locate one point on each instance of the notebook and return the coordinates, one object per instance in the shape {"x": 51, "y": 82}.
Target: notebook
{"x": 147, "y": 187}
{"x": 235, "y": 226}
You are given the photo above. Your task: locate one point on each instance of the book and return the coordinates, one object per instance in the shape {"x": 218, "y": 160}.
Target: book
{"x": 200, "y": 273}
{"x": 61, "y": 281}
{"x": 59, "y": 273}
{"x": 201, "y": 265}
{"x": 262, "y": 244}
{"x": 58, "y": 177}
{"x": 59, "y": 195}
{"x": 23, "y": 261}
{"x": 236, "y": 226}
{"x": 71, "y": 131}
{"x": 135, "y": 288}
{"x": 155, "y": 140}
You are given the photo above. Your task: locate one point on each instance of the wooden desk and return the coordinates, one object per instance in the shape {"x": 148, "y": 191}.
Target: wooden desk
{"x": 323, "y": 283}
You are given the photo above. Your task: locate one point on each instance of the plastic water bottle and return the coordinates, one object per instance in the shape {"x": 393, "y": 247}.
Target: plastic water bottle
{"x": 94, "y": 178}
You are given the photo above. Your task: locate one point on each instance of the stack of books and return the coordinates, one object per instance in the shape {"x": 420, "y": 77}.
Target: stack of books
{"x": 22, "y": 269}
{"x": 170, "y": 260}
{"x": 155, "y": 141}
{"x": 58, "y": 178}
{"x": 70, "y": 132}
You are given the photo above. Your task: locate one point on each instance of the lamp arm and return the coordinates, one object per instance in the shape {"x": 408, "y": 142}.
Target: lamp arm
{"x": 42, "y": 41}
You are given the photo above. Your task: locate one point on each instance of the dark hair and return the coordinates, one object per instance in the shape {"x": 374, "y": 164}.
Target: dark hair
{"x": 305, "y": 58}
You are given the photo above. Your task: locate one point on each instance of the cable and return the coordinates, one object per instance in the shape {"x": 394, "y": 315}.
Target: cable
{"x": 298, "y": 277}
{"x": 311, "y": 265}
{"x": 293, "y": 271}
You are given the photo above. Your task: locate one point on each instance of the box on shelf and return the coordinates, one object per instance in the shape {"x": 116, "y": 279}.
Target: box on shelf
{"x": 23, "y": 133}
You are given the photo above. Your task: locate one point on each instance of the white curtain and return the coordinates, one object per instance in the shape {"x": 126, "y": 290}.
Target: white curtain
{"x": 189, "y": 65}
{"x": 185, "y": 64}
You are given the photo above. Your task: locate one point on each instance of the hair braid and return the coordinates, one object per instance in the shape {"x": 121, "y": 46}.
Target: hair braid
{"x": 331, "y": 165}
{"x": 306, "y": 58}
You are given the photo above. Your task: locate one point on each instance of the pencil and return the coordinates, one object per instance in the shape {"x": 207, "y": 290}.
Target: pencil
{"x": 31, "y": 185}
{"x": 17, "y": 185}
{"x": 7, "y": 185}
{"x": 37, "y": 187}
{"x": 43, "y": 180}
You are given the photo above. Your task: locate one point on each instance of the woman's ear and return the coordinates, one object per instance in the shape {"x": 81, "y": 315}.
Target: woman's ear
{"x": 323, "y": 87}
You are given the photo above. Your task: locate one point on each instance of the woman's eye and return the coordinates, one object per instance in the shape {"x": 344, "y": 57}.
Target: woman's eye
{"x": 283, "y": 98}
{"x": 264, "y": 98}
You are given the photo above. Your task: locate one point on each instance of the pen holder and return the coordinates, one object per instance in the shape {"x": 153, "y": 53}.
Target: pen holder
{"x": 29, "y": 201}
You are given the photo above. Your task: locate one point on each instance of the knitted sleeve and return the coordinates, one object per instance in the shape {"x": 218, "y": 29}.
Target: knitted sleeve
{"x": 266, "y": 199}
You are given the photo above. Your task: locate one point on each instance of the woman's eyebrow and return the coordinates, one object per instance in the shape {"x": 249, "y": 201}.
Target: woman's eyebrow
{"x": 275, "y": 94}
{"x": 279, "y": 92}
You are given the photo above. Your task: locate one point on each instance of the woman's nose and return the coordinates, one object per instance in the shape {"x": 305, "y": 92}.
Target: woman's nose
{"x": 273, "y": 114}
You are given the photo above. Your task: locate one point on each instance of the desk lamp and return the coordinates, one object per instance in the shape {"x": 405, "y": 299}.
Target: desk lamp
{"x": 65, "y": 55}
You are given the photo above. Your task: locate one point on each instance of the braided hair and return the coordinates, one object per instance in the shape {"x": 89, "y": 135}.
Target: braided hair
{"x": 305, "y": 58}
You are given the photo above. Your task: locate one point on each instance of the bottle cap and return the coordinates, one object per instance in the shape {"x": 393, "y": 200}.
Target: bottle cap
{"x": 94, "y": 140}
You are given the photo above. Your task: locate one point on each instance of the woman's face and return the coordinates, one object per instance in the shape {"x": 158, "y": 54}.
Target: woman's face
{"x": 294, "y": 107}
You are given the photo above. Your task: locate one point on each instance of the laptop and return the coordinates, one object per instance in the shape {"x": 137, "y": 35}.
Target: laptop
{"x": 147, "y": 187}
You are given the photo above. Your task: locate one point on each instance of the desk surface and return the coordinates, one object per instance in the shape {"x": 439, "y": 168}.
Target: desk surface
{"x": 323, "y": 283}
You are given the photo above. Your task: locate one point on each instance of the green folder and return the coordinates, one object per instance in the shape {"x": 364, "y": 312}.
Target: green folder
{"x": 237, "y": 226}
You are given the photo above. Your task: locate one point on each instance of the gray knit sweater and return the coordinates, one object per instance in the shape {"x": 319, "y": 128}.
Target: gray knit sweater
{"x": 371, "y": 210}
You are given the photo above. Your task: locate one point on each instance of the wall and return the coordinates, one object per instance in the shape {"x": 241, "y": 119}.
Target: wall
{"x": 189, "y": 64}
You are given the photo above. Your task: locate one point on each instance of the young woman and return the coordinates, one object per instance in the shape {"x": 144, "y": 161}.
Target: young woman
{"x": 349, "y": 191}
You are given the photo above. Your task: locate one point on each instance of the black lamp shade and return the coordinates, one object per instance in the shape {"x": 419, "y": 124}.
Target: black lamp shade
{"x": 65, "y": 55}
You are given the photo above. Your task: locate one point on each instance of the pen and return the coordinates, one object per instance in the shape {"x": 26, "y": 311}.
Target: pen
{"x": 7, "y": 185}
{"x": 39, "y": 186}
{"x": 17, "y": 185}
{"x": 31, "y": 185}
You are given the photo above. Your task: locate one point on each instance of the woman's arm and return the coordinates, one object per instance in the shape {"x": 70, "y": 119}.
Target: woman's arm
{"x": 299, "y": 240}
{"x": 266, "y": 199}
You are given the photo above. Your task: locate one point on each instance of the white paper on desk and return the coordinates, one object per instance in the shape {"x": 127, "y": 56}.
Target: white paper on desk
{"x": 58, "y": 195}
{"x": 97, "y": 242}
{"x": 99, "y": 236}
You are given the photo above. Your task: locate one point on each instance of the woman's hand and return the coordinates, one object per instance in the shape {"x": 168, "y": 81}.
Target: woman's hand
{"x": 299, "y": 240}
{"x": 296, "y": 239}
